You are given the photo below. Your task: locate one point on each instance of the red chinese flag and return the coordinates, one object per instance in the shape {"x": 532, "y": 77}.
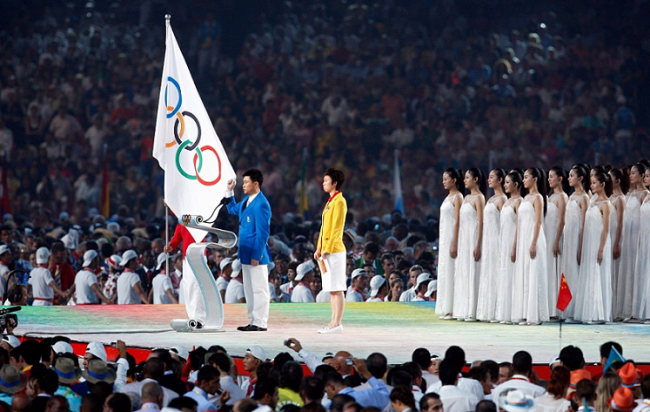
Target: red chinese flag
{"x": 564, "y": 297}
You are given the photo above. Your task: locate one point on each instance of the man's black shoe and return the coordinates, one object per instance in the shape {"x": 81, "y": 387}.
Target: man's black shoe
{"x": 243, "y": 328}
{"x": 252, "y": 328}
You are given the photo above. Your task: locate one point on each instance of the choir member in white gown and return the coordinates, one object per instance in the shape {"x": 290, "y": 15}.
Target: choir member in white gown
{"x": 452, "y": 181}
{"x": 470, "y": 237}
{"x": 487, "y": 295}
{"x": 553, "y": 229}
{"x": 507, "y": 247}
{"x": 620, "y": 185}
{"x": 532, "y": 305}
{"x": 594, "y": 303}
{"x": 629, "y": 244}
{"x": 642, "y": 267}
{"x": 572, "y": 236}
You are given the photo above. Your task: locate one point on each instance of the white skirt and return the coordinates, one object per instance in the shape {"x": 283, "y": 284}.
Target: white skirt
{"x": 335, "y": 280}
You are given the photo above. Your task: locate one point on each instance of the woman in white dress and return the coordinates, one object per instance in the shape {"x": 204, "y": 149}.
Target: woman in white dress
{"x": 487, "y": 295}
{"x": 558, "y": 182}
{"x": 572, "y": 236}
{"x": 642, "y": 268}
{"x": 470, "y": 238}
{"x": 625, "y": 289}
{"x": 532, "y": 305}
{"x": 452, "y": 181}
{"x": 594, "y": 304}
{"x": 620, "y": 185}
{"x": 508, "y": 247}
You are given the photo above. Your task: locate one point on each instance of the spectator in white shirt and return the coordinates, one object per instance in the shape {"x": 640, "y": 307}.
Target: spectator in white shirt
{"x": 456, "y": 355}
{"x": 302, "y": 293}
{"x": 162, "y": 290}
{"x": 422, "y": 357}
{"x": 221, "y": 361}
{"x": 453, "y": 398}
{"x": 129, "y": 289}
{"x": 225, "y": 269}
{"x": 86, "y": 284}
{"x": 42, "y": 282}
{"x": 409, "y": 294}
{"x": 402, "y": 400}
{"x": 235, "y": 289}
{"x": 377, "y": 396}
{"x": 356, "y": 292}
{"x": 522, "y": 364}
{"x": 378, "y": 289}
{"x": 421, "y": 287}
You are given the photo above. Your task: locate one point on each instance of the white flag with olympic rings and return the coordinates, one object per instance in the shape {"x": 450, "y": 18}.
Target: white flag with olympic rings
{"x": 185, "y": 144}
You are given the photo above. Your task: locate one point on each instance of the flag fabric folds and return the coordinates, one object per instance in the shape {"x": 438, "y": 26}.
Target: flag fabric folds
{"x": 564, "y": 297}
{"x": 186, "y": 145}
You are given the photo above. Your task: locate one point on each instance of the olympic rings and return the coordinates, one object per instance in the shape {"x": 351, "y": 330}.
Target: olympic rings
{"x": 196, "y": 156}
{"x": 198, "y": 127}
{"x": 178, "y": 161}
{"x": 180, "y": 97}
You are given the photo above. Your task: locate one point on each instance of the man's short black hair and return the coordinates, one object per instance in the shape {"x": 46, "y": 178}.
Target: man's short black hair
{"x": 606, "y": 348}
{"x": 337, "y": 177}
{"x": 221, "y": 360}
{"x": 377, "y": 364}
{"x": 424, "y": 401}
{"x": 572, "y": 357}
{"x": 312, "y": 388}
{"x": 401, "y": 378}
{"x": 413, "y": 369}
{"x": 48, "y": 381}
{"x": 492, "y": 368}
{"x": 371, "y": 247}
{"x": 207, "y": 373}
{"x": 522, "y": 362}
{"x": 339, "y": 402}
{"x": 645, "y": 386}
{"x": 165, "y": 356}
{"x": 91, "y": 402}
{"x": 422, "y": 357}
{"x": 255, "y": 176}
{"x": 478, "y": 373}
{"x": 333, "y": 378}
{"x": 264, "y": 387}
{"x": 456, "y": 355}
{"x": 184, "y": 402}
{"x": 486, "y": 406}
{"x": 291, "y": 375}
{"x": 586, "y": 389}
{"x": 119, "y": 402}
{"x": 448, "y": 372}
{"x": 30, "y": 350}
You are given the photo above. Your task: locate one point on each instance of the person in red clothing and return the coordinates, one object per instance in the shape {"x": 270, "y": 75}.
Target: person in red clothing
{"x": 62, "y": 272}
{"x": 190, "y": 291}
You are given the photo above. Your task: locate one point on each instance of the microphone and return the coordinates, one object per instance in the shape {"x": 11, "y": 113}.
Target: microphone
{"x": 9, "y": 310}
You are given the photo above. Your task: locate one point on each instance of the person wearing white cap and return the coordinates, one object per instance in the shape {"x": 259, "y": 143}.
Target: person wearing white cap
{"x": 253, "y": 358}
{"x": 330, "y": 251}
{"x": 86, "y": 285}
{"x": 225, "y": 269}
{"x": 303, "y": 293}
{"x": 432, "y": 290}
{"x": 235, "y": 291}
{"x": 129, "y": 289}
{"x": 378, "y": 289}
{"x": 94, "y": 350}
{"x": 9, "y": 343}
{"x": 357, "y": 293}
{"x": 5, "y": 260}
{"x": 114, "y": 272}
{"x": 41, "y": 281}
{"x": 421, "y": 287}
{"x": 162, "y": 290}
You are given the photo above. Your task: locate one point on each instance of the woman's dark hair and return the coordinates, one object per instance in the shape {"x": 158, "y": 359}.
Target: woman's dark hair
{"x": 517, "y": 178}
{"x": 584, "y": 174}
{"x": 540, "y": 175}
{"x": 604, "y": 178}
{"x": 403, "y": 394}
{"x": 481, "y": 180}
{"x": 560, "y": 172}
{"x": 501, "y": 174}
{"x": 291, "y": 375}
{"x": 599, "y": 169}
{"x": 456, "y": 174}
{"x": 337, "y": 177}
{"x": 559, "y": 382}
{"x": 641, "y": 168}
{"x": 623, "y": 175}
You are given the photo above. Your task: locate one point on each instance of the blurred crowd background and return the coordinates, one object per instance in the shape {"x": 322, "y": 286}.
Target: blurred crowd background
{"x": 449, "y": 83}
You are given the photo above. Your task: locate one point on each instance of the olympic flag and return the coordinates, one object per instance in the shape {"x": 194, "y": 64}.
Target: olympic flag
{"x": 185, "y": 144}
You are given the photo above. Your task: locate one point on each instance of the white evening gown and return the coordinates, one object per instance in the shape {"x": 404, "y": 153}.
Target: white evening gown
{"x": 534, "y": 302}
{"x": 629, "y": 245}
{"x": 467, "y": 269}
{"x": 487, "y": 295}
{"x": 506, "y": 272}
{"x": 551, "y": 221}
{"x": 446, "y": 265}
{"x": 643, "y": 262}
{"x": 570, "y": 244}
{"x": 595, "y": 299}
{"x": 613, "y": 226}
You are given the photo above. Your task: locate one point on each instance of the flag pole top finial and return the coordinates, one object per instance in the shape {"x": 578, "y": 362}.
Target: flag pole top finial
{"x": 168, "y": 17}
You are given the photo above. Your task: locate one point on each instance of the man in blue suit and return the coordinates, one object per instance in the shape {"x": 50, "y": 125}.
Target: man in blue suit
{"x": 254, "y": 214}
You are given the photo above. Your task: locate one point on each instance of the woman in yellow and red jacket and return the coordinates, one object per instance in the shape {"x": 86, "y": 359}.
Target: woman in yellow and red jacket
{"x": 330, "y": 252}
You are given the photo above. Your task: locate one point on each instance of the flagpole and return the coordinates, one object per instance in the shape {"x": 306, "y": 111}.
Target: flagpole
{"x": 166, "y": 236}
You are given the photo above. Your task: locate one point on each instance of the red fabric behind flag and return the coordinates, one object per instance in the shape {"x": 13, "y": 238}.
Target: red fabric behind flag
{"x": 564, "y": 297}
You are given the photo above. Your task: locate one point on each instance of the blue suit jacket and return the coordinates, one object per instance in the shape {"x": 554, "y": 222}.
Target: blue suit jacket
{"x": 254, "y": 226}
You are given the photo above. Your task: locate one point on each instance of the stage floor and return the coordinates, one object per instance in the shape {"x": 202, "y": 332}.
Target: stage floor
{"x": 394, "y": 329}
